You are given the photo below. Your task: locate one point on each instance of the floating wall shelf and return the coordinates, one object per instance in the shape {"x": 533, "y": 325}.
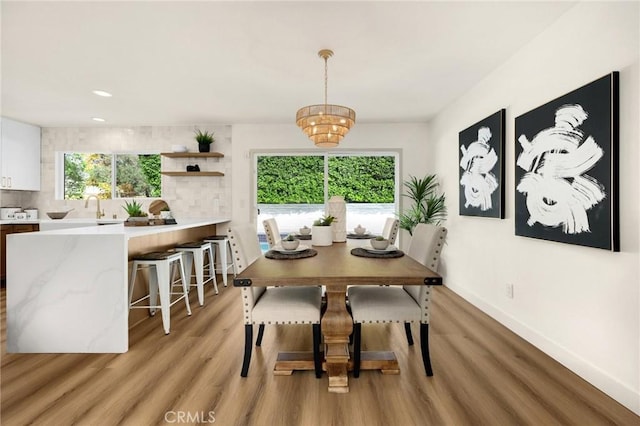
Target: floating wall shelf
{"x": 191, "y": 154}
{"x": 192, "y": 173}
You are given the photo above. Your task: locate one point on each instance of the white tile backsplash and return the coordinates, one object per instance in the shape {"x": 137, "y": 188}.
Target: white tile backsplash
{"x": 198, "y": 196}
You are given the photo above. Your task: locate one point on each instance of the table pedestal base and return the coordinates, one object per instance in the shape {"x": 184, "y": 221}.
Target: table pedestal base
{"x": 288, "y": 362}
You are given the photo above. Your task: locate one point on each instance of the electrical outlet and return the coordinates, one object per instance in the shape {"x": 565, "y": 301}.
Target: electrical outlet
{"x": 509, "y": 290}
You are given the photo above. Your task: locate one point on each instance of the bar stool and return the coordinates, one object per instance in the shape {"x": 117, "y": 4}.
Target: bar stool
{"x": 194, "y": 255}
{"x": 161, "y": 266}
{"x": 223, "y": 244}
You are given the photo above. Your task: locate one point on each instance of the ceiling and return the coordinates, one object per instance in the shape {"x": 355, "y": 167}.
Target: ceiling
{"x": 181, "y": 62}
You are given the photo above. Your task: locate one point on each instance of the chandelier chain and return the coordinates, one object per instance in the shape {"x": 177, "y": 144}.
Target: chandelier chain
{"x": 326, "y": 79}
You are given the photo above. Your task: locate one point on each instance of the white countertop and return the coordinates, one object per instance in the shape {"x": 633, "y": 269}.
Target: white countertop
{"x": 83, "y": 220}
{"x": 136, "y": 231}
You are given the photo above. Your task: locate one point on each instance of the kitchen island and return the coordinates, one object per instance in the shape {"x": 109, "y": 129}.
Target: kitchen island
{"x": 67, "y": 290}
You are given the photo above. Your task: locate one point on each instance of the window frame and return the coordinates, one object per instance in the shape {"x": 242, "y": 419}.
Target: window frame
{"x": 254, "y": 154}
{"x": 59, "y": 169}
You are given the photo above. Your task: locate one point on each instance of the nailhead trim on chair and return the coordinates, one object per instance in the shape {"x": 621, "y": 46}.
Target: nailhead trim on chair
{"x": 271, "y": 237}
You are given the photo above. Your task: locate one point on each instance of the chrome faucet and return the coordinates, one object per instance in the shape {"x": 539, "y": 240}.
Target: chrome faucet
{"x": 99, "y": 214}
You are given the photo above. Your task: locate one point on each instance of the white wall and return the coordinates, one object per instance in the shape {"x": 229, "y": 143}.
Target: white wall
{"x": 580, "y": 305}
{"x": 251, "y": 137}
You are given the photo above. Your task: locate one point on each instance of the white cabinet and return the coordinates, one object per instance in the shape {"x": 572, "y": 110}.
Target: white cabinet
{"x": 20, "y": 156}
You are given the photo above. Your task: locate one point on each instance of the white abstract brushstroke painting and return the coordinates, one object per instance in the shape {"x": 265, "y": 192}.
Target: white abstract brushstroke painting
{"x": 558, "y": 191}
{"x": 477, "y": 162}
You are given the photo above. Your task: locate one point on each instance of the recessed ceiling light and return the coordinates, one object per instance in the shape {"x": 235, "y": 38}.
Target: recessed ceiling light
{"x": 99, "y": 119}
{"x": 102, "y": 93}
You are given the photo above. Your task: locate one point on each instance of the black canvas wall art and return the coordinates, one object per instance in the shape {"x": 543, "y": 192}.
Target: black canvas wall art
{"x": 481, "y": 166}
{"x": 566, "y": 172}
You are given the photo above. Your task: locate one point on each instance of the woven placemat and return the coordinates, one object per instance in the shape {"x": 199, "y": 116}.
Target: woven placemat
{"x": 360, "y": 237}
{"x": 359, "y": 251}
{"x": 271, "y": 254}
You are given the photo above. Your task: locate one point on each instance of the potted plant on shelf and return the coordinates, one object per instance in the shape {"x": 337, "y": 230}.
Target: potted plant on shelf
{"x": 134, "y": 210}
{"x": 204, "y": 139}
{"x": 428, "y": 206}
{"x": 322, "y": 232}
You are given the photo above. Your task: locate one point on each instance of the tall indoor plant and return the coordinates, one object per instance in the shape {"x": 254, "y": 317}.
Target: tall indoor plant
{"x": 428, "y": 206}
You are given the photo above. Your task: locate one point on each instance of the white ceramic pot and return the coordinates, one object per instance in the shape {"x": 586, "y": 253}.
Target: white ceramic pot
{"x": 322, "y": 235}
{"x": 305, "y": 231}
{"x": 379, "y": 244}
{"x": 290, "y": 245}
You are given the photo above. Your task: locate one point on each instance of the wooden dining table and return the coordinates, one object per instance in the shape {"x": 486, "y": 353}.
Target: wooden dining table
{"x": 335, "y": 268}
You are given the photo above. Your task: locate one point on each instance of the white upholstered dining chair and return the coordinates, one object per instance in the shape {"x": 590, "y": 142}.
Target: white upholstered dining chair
{"x": 272, "y": 231}
{"x": 407, "y": 304}
{"x": 272, "y": 305}
{"x": 390, "y": 230}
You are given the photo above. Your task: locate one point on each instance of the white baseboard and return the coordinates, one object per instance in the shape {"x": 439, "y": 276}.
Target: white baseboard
{"x": 589, "y": 372}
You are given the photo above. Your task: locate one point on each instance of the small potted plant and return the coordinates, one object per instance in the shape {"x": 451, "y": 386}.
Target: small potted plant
{"x": 305, "y": 230}
{"x": 165, "y": 213}
{"x": 322, "y": 232}
{"x": 134, "y": 210}
{"x": 290, "y": 243}
{"x": 379, "y": 243}
{"x": 204, "y": 139}
{"x": 360, "y": 230}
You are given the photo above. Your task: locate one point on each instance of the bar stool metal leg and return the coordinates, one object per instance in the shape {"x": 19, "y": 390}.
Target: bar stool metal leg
{"x": 185, "y": 287}
{"x": 212, "y": 268}
{"x": 162, "y": 278}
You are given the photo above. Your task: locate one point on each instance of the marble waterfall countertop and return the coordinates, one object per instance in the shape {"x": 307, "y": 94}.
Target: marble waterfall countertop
{"x": 67, "y": 289}
{"x": 110, "y": 228}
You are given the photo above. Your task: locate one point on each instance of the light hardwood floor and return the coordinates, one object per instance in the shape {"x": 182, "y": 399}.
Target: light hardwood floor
{"x": 484, "y": 375}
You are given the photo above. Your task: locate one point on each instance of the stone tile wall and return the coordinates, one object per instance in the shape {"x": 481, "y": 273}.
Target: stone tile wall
{"x": 198, "y": 196}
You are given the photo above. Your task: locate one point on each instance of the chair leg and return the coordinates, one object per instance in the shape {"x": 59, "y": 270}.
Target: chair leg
{"x": 407, "y": 329}
{"x": 248, "y": 340}
{"x": 424, "y": 346}
{"x": 260, "y": 334}
{"x": 317, "y": 362}
{"x": 357, "y": 330}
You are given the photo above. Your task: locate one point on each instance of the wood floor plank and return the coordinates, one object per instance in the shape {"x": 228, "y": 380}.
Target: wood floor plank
{"x": 484, "y": 375}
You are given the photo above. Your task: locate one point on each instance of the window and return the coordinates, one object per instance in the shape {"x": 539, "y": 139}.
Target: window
{"x": 110, "y": 175}
{"x": 294, "y": 188}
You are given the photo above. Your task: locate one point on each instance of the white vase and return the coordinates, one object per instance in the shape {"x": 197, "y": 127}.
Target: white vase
{"x": 322, "y": 235}
{"x": 338, "y": 209}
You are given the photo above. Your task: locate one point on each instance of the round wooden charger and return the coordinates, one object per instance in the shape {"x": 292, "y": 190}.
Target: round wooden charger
{"x": 360, "y": 237}
{"x": 156, "y": 207}
{"x": 359, "y": 251}
{"x": 285, "y": 256}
